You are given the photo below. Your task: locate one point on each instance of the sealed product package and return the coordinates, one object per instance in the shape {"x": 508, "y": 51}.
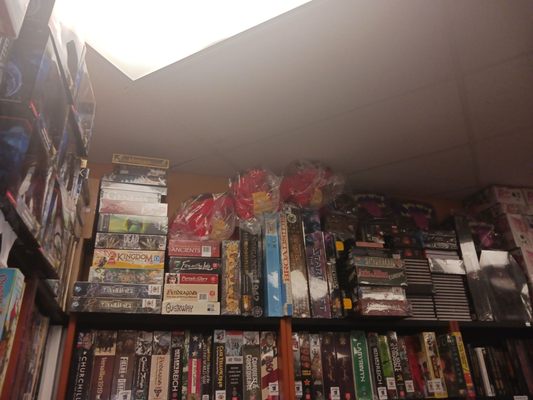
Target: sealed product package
{"x": 202, "y": 217}
{"x": 310, "y": 184}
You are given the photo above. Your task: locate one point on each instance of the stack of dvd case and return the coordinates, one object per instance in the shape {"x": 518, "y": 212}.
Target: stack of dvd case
{"x": 127, "y": 269}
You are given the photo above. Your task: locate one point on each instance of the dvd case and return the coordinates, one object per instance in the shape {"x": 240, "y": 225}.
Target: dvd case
{"x": 130, "y": 241}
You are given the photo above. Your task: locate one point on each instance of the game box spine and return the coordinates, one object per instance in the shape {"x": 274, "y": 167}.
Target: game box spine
{"x": 198, "y": 265}
{"x": 140, "y": 161}
{"x": 246, "y": 244}
{"x": 316, "y": 271}
{"x": 193, "y": 248}
{"x": 258, "y": 289}
{"x": 251, "y": 365}
{"x": 126, "y": 275}
{"x": 231, "y": 278}
{"x": 121, "y": 223}
{"x": 476, "y": 371}
{"x": 344, "y": 365}
{"x": 177, "y": 307}
{"x": 413, "y": 349}
{"x": 190, "y": 292}
{"x": 130, "y": 241}
{"x": 305, "y": 365}
{"x": 406, "y": 370}
{"x": 176, "y": 364}
{"x": 83, "y": 362}
{"x": 286, "y": 286}
{"x": 381, "y": 276}
{"x": 194, "y": 387}
{"x": 219, "y": 364}
{"x": 141, "y": 372}
{"x": 115, "y": 305}
{"x": 465, "y": 368}
{"x": 297, "y": 261}
{"x": 488, "y": 386}
{"x": 317, "y": 372}
{"x": 513, "y": 358}
{"x": 329, "y": 362}
{"x": 119, "y": 290}
{"x": 113, "y": 258}
{"x": 185, "y": 368}
{"x": 269, "y": 366}
{"x": 380, "y": 382}
{"x": 272, "y": 267}
{"x": 436, "y": 385}
{"x": 149, "y": 209}
{"x": 296, "y": 356}
{"x": 332, "y": 277}
{"x": 104, "y": 357}
{"x": 494, "y": 372}
{"x": 387, "y": 367}
{"x": 129, "y": 195}
{"x": 234, "y": 365}
{"x": 457, "y": 365}
{"x": 361, "y": 366}
{"x": 160, "y": 366}
{"x": 123, "y": 369}
{"x": 392, "y": 339}
{"x": 447, "y": 364}
{"x": 207, "y": 367}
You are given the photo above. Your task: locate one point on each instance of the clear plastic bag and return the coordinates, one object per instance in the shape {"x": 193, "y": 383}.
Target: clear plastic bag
{"x": 310, "y": 184}
{"x": 255, "y": 191}
{"x": 208, "y": 216}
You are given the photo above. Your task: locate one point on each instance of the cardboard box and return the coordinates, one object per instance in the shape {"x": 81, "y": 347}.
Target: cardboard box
{"x": 115, "y": 305}
{"x": 193, "y": 248}
{"x": 114, "y": 258}
{"x": 176, "y": 307}
{"x": 117, "y": 290}
{"x": 150, "y": 209}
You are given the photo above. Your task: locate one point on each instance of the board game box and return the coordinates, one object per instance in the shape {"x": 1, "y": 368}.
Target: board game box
{"x": 141, "y": 372}
{"x": 126, "y": 275}
{"x": 252, "y": 365}
{"x": 392, "y": 339}
{"x": 193, "y": 248}
{"x": 219, "y": 364}
{"x": 113, "y": 258}
{"x": 115, "y": 305}
{"x": 137, "y": 175}
{"x": 130, "y": 195}
{"x": 329, "y": 363}
{"x": 317, "y": 374}
{"x": 381, "y": 276}
{"x": 194, "y": 265}
{"x": 231, "y": 278}
{"x": 177, "y": 307}
{"x": 194, "y": 387}
{"x": 207, "y": 368}
{"x": 117, "y": 290}
{"x": 316, "y": 271}
{"x": 160, "y": 366}
{"x": 361, "y": 366}
{"x": 176, "y": 364}
{"x": 151, "y": 209}
{"x": 296, "y": 356}
{"x": 105, "y": 345}
{"x": 140, "y": 161}
{"x": 160, "y": 190}
{"x": 333, "y": 280}
{"x": 387, "y": 367}
{"x": 191, "y": 292}
{"x": 83, "y": 362}
{"x": 286, "y": 286}
{"x": 269, "y": 366}
{"x": 130, "y": 241}
{"x": 120, "y": 223}
{"x": 377, "y": 367}
{"x": 272, "y": 260}
{"x": 344, "y": 365}
{"x": 124, "y": 363}
{"x": 234, "y": 365}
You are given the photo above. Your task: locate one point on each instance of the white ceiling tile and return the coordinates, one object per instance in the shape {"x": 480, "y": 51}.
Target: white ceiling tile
{"x": 490, "y": 31}
{"x": 437, "y": 173}
{"x": 501, "y": 97}
{"x": 507, "y": 159}
{"x": 211, "y": 164}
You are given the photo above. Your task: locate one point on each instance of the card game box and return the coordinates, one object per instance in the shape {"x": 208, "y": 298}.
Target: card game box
{"x": 193, "y": 248}
{"x": 177, "y": 307}
{"x": 269, "y": 366}
{"x": 126, "y": 275}
{"x": 231, "y": 278}
{"x": 115, "y": 258}
{"x": 130, "y": 241}
{"x": 105, "y": 346}
{"x": 272, "y": 266}
{"x": 141, "y": 371}
{"x": 149, "y": 209}
{"x": 160, "y": 366}
{"x": 140, "y": 161}
{"x": 317, "y": 275}
{"x": 117, "y": 290}
{"x": 115, "y": 305}
{"x": 196, "y": 265}
{"x": 120, "y": 223}
{"x": 297, "y": 261}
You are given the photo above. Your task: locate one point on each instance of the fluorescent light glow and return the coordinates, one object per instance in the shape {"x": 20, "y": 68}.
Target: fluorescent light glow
{"x": 142, "y": 36}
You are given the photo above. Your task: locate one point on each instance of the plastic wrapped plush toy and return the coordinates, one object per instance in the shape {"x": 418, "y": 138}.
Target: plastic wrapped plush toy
{"x": 209, "y": 216}
{"x": 310, "y": 184}
{"x": 255, "y": 191}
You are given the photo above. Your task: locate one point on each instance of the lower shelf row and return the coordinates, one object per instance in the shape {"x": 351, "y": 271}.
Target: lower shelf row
{"x": 235, "y": 365}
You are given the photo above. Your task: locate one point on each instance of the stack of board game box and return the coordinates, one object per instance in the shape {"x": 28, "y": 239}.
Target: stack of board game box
{"x": 127, "y": 269}
{"x": 11, "y": 291}
{"x": 176, "y": 364}
{"x": 193, "y": 278}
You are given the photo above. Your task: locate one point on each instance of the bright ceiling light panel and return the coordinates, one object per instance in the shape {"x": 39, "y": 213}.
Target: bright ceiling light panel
{"x": 142, "y": 36}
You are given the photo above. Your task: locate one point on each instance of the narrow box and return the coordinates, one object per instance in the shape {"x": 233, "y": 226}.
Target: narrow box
{"x": 194, "y": 265}
{"x": 124, "y": 363}
{"x": 176, "y": 307}
{"x": 231, "y": 278}
{"x": 141, "y": 371}
{"x": 190, "y": 292}
{"x": 193, "y": 248}
{"x": 105, "y": 345}
{"x": 269, "y": 366}
{"x": 160, "y": 366}
{"x": 316, "y": 270}
{"x": 252, "y": 365}
{"x": 272, "y": 260}
{"x": 234, "y": 365}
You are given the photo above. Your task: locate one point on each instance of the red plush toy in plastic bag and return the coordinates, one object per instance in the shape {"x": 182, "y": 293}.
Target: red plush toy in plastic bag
{"x": 209, "y": 216}
{"x": 310, "y": 184}
{"x": 255, "y": 191}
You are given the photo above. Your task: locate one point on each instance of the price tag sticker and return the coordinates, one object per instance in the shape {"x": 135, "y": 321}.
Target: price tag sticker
{"x": 206, "y": 251}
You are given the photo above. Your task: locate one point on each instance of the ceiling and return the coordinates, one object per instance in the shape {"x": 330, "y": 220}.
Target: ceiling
{"x": 413, "y": 97}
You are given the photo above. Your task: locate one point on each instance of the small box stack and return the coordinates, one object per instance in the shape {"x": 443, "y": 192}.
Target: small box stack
{"x": 127, "y": 269}
{"x": 192, "y": 283}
